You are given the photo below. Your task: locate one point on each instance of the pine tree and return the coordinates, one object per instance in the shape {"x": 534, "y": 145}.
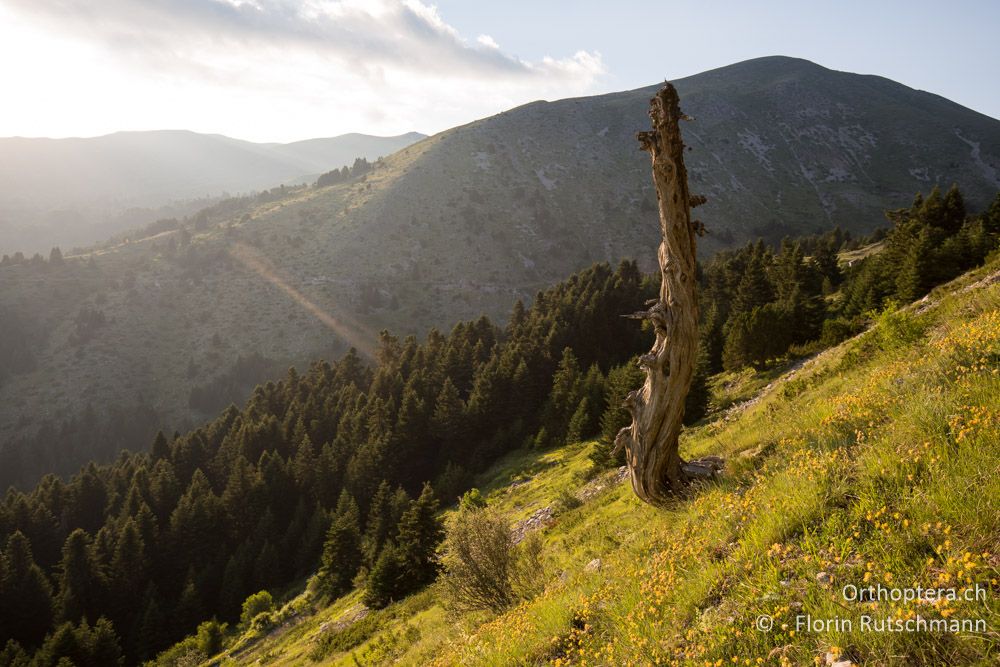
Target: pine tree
{"x": 953, "y": 210}
{"x": 25, "y": 594}
{"x": 738, "y": 349}
{"x": 410, "y": 441}
{"x": 580, "y": 423}
{"x": 754, "y": 289}
{"x": 418, "y": 535}
{"x": 447, "y": 420}
{"x": 380, "y": 526}
{"x": 592, "y": 387}
{"x": 564, "y": 397}
{"x": 828, "y": 265}
{"x": 161, "y": 448}
{"x": 101, "y": 644}
{"x": 696, "y": 403}
{"x": 164, "y": 491}
{"x": 244, "y": 499}
{"x": 81, "y": 583}
{"x": 711, "y": 335}
{"x": 128, "y": 573}
{"x": 60, "y": 647}
{"x": 342, "y": 549}
{"x": 189, "y": 609}
{"x": 387, "y": 580}
{"x": 913, "y": 278}
{"x": 151, "y": 635}
{"x": 278, "y": 485}
{"x": 304, "y": 466}
{"x": 197, "y": 524}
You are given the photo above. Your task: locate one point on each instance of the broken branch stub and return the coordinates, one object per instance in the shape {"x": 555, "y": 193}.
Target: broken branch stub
{"x": 657, "y": 408}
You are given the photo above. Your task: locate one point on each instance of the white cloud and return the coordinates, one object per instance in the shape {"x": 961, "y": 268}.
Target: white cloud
{"x": 384, "y": 65}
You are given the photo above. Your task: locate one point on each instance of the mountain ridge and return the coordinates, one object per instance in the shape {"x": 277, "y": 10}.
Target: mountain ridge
{"x": 98, "y": 177}
{"x": 464, "y": 223}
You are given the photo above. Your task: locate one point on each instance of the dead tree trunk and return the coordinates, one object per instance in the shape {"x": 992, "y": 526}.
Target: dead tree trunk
{"x": 657, "y": 408}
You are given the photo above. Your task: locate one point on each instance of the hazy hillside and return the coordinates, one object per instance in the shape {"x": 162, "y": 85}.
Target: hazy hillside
{"x": 461, "y": 224}
{"x": 67, "y": 191}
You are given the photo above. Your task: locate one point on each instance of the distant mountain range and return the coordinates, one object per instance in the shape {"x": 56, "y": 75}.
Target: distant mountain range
{"x": 461, "y": 224}
{"x": 72, "y": 191}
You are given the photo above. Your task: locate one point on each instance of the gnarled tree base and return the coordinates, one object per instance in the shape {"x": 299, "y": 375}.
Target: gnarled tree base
{"x": 657, "y": 408}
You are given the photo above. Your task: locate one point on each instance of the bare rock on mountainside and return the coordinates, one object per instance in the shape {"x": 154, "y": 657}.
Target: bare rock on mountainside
{"x": 538, "y": 520}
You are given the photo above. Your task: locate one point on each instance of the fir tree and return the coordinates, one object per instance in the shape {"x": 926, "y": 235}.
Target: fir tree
{"x": 151, "y": 634}
{"x": 564, "y": 397}
{"x": 189, "y": 609}
{"x": 161, "y": 448}
{"x": 196, "y": 528}
{"x": 342, "y": 549}
{"x": 447, "y": 419}
{"x": 696, "y": 403}
{"x": 580, "y": 423}
{"x": 913, "y": 277}
{"x": 828, "y": 265}
{"x": 387, "y": 580}
{"x": 754, "y": 289}
{"x": 102, "y": 644}
{"x": 128, "y": 566}
{"x": 81, "y": 582}
{"x": 304, "y": 466}
{"x": 418, "y": 535}
{"x": 25, "y": 594}
{"x": 380, "y": 526}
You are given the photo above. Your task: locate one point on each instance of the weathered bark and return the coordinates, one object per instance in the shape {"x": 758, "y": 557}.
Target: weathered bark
{"x": 657, "y": 408}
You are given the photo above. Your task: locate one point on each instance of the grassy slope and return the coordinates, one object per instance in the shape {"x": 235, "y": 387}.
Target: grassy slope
{"x": 875, "y": 462}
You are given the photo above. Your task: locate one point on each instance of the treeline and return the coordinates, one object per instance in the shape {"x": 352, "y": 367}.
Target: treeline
{"x": 931, "y": 242}
{"x": 155, "y": 543}
{"x": 758, "y": 304}
{"x": 360, "y": 167}
{"x": 55, "y": 259}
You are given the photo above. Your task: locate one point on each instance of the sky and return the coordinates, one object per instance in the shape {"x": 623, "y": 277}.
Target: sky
{"x": 278, "y": 70}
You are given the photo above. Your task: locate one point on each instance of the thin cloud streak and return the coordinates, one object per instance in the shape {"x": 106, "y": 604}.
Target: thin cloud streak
{"x": 407, "y": 35}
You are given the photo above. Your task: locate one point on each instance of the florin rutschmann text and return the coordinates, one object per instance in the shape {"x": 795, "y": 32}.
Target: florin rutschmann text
{"x": 911, "y": 622}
